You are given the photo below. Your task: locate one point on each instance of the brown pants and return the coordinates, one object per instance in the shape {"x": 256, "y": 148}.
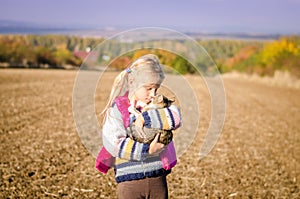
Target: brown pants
{"x": 148, "y": 188}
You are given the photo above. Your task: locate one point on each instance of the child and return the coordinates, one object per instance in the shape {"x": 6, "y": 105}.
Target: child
{"x": 140, "y": 169}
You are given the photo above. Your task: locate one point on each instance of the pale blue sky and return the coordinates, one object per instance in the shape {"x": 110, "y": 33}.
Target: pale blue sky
{"x": 254, "y": 16}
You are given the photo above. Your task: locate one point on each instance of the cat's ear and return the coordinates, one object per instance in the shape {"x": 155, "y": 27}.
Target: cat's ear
{"x": 160, "y": 98}
{"x": 171, "y": 100}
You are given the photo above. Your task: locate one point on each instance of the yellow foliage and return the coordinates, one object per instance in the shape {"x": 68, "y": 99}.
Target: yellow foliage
{"x": 62, "y": 46}
{"x": 62, "y": 55}
{"x": 275, "y": 48}
{"x": 141, "y": 52}
{"x": 165, "y": 57}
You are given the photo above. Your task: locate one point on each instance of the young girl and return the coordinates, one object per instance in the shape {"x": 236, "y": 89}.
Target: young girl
{"x": 140, "y": 169}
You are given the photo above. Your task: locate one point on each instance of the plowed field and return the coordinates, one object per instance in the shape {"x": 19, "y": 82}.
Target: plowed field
{"x": 257, "y": 154}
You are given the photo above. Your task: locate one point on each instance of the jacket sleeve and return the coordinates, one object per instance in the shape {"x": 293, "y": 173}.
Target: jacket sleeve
{"x": 116, "y": 141}
{"x": 164, "y": 118}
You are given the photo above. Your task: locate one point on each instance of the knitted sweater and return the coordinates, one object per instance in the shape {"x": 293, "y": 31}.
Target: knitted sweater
{"x": 132, "y": 159}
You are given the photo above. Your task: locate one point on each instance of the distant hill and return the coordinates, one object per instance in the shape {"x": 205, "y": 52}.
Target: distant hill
{"x": 244, "y": 36}
{"x": 19, "y": 27}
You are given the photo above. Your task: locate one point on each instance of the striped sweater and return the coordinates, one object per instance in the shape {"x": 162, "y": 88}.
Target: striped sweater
{"x": 132, "y": 159}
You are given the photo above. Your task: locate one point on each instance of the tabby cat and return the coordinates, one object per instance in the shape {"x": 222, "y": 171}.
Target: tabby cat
{"x": 146, "y": 135}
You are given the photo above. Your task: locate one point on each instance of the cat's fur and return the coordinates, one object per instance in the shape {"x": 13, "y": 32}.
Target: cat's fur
{"x": 146, "y": 135}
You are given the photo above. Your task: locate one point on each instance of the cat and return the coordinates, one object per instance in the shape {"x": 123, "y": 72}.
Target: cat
{"x": 147, "y": 135}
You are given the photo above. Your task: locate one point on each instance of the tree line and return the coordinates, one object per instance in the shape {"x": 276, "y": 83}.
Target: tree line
{"x": 42, "y": 50}
{"x": 282, "y": 54}
{"x": 261, "y": 57}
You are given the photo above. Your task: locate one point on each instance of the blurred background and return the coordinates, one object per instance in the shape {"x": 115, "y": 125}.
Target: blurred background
{"x": 255, "y": 45}
{"x": 258, "y": 37}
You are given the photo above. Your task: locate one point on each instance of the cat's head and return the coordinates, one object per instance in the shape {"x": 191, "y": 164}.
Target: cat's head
{"x": 161, "y": 101}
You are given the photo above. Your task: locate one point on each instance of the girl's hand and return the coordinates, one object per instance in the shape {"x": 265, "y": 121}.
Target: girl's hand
{"x": 139, "y": 121}
{"x": 155, "y": 146}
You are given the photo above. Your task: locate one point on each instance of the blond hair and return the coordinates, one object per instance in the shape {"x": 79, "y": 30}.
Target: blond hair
{"x": 144, "y": 70}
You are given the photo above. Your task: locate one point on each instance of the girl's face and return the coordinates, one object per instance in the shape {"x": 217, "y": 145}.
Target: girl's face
{"x": 146, "y": 93}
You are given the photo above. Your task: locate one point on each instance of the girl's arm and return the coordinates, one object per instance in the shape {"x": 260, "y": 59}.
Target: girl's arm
{"x": 165, "y": 118}
{"x": 116, "y": 141}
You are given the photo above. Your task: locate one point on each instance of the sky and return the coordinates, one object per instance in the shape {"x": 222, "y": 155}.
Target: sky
{"x": 250, "y": 16}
